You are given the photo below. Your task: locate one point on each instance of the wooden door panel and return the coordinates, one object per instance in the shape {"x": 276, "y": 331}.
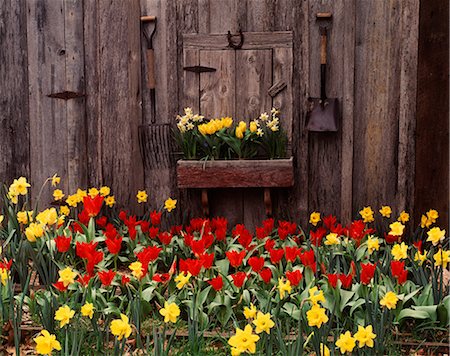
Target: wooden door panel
{"x": 217, "y": 89}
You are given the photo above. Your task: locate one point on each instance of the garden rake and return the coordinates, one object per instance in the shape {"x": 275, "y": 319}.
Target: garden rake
{"x": 154, "y": 139}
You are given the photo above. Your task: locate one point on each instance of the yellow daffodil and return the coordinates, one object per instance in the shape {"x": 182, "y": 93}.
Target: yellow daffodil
{"x": 332, "y": 239}
{"x": 13, "y": 198}
{"x": 244, "y": 340}
{"x": 399, "y": 251}
{"x": 88, "y": 310}
{"x": 105, "y": 191}
{"x": 136, "y": 269}
{"x": 170, "y": 312}
{"x": 250, "y": 313}
{"x": 141, "y": 196}
{"x": 63, "y": 315}
{"x": 253, "y": 126}
{"x": 58, "y": 194}
{"x": 19, "y": 186}
{"x": 420, "y": 257}
{"x": 4, "y": 275}
{"x": 373, "y": 244}
{"x": 424, "y": 222}
{"x": 263, "y": 322}
{"x": 55, "y": 180}
{"x": 396, "y": 228}
{"x": 365, "y": 336}
{"x": 170, "y": 204}
{"x": 367, "y": 214}
{"x": 324, "y": 350}
{"x": 403, "y": 217}
{"x": 64, "y": 210}
{"x": 67, "y": 276}
{"x": 48, "y": 217}
{"x": 1, "y": 219}
{"x": 442, "y": 258}
{"x": 120, "y": 327}
{"x": 316, "y": 316}
{"x": 284, "y": 287}
{"x": 346, "y": 342}
{"x": 25, "y": 217}
{"x": 436, "y": 235}
{"x": 81, "y": 194}
{"x": 385, "y": 211}
{"x": 316, "y": 296}
{"x": 93, "y": 192}
{"x": 432, "y": 216}
{"x": 389, "y": 300}
{"x": 110, "y": 201}
{"x": 46, "y": 343}
{"x": 314, "y": 218}
{"x": 72, "y": 200}
{"x": 182, "y": 279}
{"x": 34, "y": 231}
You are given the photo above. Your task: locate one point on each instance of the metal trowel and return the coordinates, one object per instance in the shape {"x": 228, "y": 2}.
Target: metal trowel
{"x": 325, "y": 114}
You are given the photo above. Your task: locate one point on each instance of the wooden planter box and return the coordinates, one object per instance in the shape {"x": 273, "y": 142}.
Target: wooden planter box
{"x": 235, "y": 173}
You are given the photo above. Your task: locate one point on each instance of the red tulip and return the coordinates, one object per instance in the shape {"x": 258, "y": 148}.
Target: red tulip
{"x": 198, "y": 246}
{"x": 165, "y": 238}
{"x": 276, "y": 255}
{"x": 390, "y": 239}
{"x": 398, "y": 271}
{"x": 332, "y": 279}
{"x": 92, "y": 206}
{"x": 269, "y": 245}
{"x": 268, "y": 225}
{"x": 114, "y": 245}
{"x": 294, "y": 277}
{"x": 256, "y": 263}
{"x": 308, "y": 259}
{"x": 155, "y": 217}
{"x": 63, "y": 243}
{"x": 147, "y": 255}
{"x": 260, "y": 233}
{"x": 125, "y": 279}
{"x": 102, "y": 221}
{"x": 84, "y": 217}
{"x": 106, "y": 277}
{"x": 346, "y": 280}
{"x": 206, "y": 260}
{"x": 317, "y": 235}
{"x": 221, "y": 234}
{"x": 161, "y": 277}
{"x": 217, "y": 283}
{"x": 153, "y": 232}
{"x": 84, "y": 280}
{"x": 282, "y": 233}
{"x": 329, "y": 221}
{"x": 238, "y": 278}
{"x": 145, "y": 226}
{"x": 291, "y": 253}
{"x": 60, "y": 286}
{"x": 367, "y": 272}
{"x": 266, "y": 275}
{"x": 235, "y": 257}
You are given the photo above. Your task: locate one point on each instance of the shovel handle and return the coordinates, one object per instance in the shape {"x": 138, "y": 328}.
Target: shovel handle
{"x": 323, "y": 45}
{"x": 151, "y": 82}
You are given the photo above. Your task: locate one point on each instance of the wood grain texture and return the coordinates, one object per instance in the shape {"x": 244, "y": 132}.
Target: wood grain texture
{"x": 120, "y": 95}
{"x": 235, "y": 174}
{"x": 47, "y": 74}
{"x": 431, "y": 190}
{"x": 14, "y": 114}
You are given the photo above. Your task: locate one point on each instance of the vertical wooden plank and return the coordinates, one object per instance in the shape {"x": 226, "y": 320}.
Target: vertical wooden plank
{"x": 47, "y": 74}
{"x": 191, "y": 80}
{"x": 432, "y": 129}
{"x": 348, "y": 93}
{"x": 377, "y": 93}
{"x": 92, "y": 49}
{"x": 14, "y": 117}
{"x": 120, "y": 98}
{"x": 253, "y": 80}
{"x": 217, "y": 89}
{"x": 225, "y": 16}
{"x": 407, "y": 103}
{"x": 282, "y": 72}
{"x": 75, "y": 110}
{"x": 325, "y": 148}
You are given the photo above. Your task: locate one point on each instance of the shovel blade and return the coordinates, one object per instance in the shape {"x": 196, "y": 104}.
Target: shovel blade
{"x": 324, "y": 117}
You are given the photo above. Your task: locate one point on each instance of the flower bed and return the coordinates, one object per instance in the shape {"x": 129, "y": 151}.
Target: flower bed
{"x": 112, "y": 283}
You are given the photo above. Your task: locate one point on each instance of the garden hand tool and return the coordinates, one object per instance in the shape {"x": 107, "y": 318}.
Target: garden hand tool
{"x": 325, "y": 113}
{"x": 154, "y": 139}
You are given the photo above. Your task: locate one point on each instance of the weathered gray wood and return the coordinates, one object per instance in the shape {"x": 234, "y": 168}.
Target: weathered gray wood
{"x": 376, "y": 104}
{"x": 14, "y": 114}
{"x": 75, "y": 110}
{"x": 348, "y": 92}
{"x": 252, "y": 40}
{"x": 120, "y": 96}
{"x": 217, "y": 89}
{"x": 47, "y": 75}
{"x": 253, "y": 80}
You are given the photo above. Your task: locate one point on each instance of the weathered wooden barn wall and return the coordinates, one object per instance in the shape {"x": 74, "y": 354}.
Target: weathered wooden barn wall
{"x": 94, "y": 48}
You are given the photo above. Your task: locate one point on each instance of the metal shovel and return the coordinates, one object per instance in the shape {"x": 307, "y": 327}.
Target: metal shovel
{"x": 325, "y": 114}
{"x": 154, "y": 139}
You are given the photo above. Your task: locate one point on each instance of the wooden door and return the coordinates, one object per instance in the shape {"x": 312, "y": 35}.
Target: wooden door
{"x": 245, "y": 83}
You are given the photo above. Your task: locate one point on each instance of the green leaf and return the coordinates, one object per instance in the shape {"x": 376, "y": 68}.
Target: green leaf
{"x": 202, "y": 296}
{"x": 346, "y": 296}
{"x": 148, "y": 293}
{"x": 223, "y": 266}
{"x": 430, "y": 309}
{"x": 411, "y": 313}
{"x": 355, "y": 305}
